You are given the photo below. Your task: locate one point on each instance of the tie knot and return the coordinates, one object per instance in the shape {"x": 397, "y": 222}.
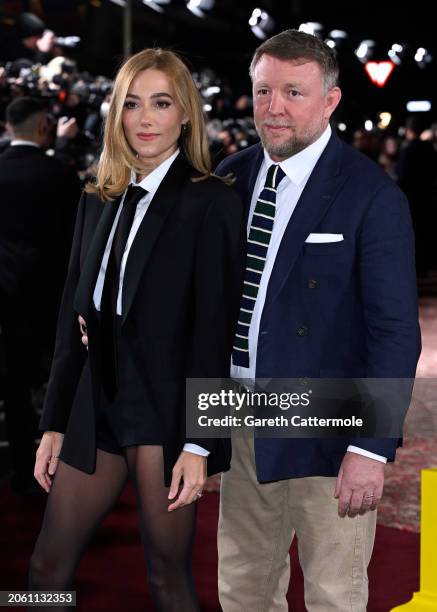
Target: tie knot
{"x": 275, "y": 175}
{"x": 133, "y": 195}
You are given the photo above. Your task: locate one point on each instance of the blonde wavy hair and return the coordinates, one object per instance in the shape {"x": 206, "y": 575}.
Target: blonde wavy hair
{"x": 118, "y": 159}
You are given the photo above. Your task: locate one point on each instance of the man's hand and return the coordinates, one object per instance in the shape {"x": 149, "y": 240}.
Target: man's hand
{"x": 83, "y": 331}
{"x": 46, "y": 42}
{"x": 67, "y": 129}
{"x": 192, "y": 469}
{"x": 359, "y": 484}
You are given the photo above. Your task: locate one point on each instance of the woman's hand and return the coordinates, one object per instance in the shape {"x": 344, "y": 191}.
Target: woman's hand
{"x": 192, "y": 469}
{"x": 47, "y": 458}
{"x": 83, "y": 331}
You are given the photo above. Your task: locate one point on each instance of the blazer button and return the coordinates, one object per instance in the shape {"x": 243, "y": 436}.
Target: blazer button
{"x": 312, "y": 284}
{"x": 302, "y": 331}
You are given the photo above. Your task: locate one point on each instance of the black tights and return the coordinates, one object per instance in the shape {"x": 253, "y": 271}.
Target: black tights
{"x": 78, "y": 502}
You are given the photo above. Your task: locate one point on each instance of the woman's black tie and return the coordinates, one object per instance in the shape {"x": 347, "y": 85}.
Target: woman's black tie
{"x": 108, "y": 306}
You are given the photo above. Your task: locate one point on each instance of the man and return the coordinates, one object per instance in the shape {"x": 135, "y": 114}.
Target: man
{"x": 37, "y": 210}
{"x": 27, "y": 37}
{"x": 329, "y": 291}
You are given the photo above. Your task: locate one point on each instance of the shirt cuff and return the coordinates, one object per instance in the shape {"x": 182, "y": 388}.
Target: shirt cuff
{"x": 365, "y": 453}
{"x": 197, "y": 450}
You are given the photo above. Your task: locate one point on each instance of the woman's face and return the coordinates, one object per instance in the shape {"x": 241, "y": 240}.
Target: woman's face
{"x": 152, "y": 120}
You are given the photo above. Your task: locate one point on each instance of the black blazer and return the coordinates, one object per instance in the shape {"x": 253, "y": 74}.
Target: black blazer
{"x": 180, "y": 303}
{"x": 38, "y": 205}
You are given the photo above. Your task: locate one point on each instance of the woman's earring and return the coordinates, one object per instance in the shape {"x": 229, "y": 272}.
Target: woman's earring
{"x": 184, "y": 127}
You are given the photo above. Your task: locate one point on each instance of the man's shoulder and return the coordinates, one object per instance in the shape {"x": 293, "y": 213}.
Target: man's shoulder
{"x": 22, "y": 153}
{"x": 239, "y": 159}
{"x": 363, "y": 169}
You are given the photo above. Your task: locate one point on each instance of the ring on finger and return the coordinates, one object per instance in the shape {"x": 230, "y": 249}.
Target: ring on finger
{"x": 199, "y": 495}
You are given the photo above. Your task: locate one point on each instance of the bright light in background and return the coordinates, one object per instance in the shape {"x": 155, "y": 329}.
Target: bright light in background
{"x": 156, "y": 5}
{"x": 420, "y": 54}
{"x": 337, "y": 34}
{"x": 211, "y": 91}
{"x": 256, "y": 14}
{"x": 342, "y": 127}
{"x": 418, "y": 106}
{"x": 365, "y": 50}
{"x": 368, "y": 125}
{"x": 422, "y": 57}
{"x": 119, "y": 2}
{"x": 395, "y": 53}
{"x": 197, "y": 7}
{"x": 261, "y": 23}
{"x": 384, "y": 120}
{"x": 335, "y": 38}
{"x": 207, "y": 108}
{"x": 311, "y": 27}
{"x": 379, "y": 72}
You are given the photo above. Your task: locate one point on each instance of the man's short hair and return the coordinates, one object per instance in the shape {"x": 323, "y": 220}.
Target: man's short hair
{"x": 21, "y": 109}
{"x": 295, "y": 45}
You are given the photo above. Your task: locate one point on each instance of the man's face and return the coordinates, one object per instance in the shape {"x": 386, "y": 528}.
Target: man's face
{"x": 291, "y": 107}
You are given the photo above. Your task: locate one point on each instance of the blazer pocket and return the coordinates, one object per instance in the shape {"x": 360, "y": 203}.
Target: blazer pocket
{"x": 323, "y": 248}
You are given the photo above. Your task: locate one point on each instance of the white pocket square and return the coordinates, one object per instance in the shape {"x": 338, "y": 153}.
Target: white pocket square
{"x": 324, "y": 238}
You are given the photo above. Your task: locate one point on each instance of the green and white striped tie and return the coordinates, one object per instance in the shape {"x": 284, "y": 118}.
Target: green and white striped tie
{"x": 258, "y": 242}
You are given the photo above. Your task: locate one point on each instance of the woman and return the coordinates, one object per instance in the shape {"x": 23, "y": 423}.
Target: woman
{"x": 154, "y": 272}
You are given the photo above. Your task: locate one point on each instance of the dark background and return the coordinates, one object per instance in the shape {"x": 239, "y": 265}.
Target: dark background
{"x": 224, "y": 41}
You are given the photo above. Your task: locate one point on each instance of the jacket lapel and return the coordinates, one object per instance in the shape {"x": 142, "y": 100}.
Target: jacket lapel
{"x": 83, "y": 300}
{"x": 246, "y": 177}
{"x": 259, "y": 157}
{"x": 318, "y": 195}
{"x": 164, "y": 200}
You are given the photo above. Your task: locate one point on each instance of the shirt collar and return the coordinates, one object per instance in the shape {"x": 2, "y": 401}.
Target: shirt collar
{"x": 297, "y": 167}
{"x": 29, "y": 143}
{"x": 152, "y": 181}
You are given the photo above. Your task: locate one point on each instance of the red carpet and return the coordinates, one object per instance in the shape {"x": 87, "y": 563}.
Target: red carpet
{"x": 111, "y": 577}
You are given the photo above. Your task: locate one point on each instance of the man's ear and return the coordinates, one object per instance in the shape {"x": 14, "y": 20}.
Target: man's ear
{"x": 9, "y": 130}
{"x": 43, "y": 126}
{"x": 332, "y": 100}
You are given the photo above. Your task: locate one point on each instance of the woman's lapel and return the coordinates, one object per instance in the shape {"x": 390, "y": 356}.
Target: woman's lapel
{"x": 164, "y": 200}
{"x": 83, "y": 299}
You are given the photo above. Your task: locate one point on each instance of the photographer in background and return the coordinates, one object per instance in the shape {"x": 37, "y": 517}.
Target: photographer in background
{"x": 27, "y": 38}
{"x": 37, "y": 212}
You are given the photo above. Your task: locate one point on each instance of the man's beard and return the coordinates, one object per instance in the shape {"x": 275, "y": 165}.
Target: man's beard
{"x": 291, "y": 146}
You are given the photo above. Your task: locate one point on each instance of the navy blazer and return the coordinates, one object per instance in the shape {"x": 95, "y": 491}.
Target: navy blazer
{"x": 359, "y": 318}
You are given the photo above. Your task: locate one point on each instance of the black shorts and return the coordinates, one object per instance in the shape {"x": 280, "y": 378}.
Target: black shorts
{"x": 108, "y": 440}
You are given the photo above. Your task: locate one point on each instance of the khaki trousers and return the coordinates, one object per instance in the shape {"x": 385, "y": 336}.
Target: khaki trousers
{"x": 256, "y": 527}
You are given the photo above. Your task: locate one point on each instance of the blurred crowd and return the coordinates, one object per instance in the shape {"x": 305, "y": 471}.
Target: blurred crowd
{"x": 51, "y": 118}
{"x": 34, "y": 63}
